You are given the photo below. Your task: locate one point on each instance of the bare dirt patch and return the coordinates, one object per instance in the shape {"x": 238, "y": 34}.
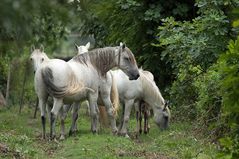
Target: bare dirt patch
{"x": 144, "y": 154}
{"x": 5, "y": 151}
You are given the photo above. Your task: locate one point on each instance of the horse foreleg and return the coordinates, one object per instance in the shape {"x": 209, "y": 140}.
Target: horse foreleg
{"x": 128, "y": 107}
{"x": 75, "y": 110}
{"x": 145, "y": 121}
{"x": 121, "y": 118}
{"x": 136, "y": 105}
{"x": 109, "y": 108}
{"x": 42, "y": 106}
{"x": 58, "y": 103}
{"x": 140, "y": 117}
{"x": 148, "y": 115}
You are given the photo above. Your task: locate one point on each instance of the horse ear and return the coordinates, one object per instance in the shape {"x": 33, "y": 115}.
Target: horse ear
{"x": 76, "y": 46}
{"x": 122, "y": 45}
{"x": 87, "y": 45}
{"x": 32, "y": 48}
{"x": 42, "y": 48}
{"x": 166, "y": 105}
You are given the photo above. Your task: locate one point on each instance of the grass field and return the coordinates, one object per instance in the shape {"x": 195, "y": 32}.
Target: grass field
{"x": 20, "y": 137}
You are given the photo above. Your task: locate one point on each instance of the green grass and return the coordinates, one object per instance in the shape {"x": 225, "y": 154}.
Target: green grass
{"x": 21, "y": 135}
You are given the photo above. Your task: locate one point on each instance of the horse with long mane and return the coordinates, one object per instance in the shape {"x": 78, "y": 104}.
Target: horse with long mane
{"x": 78, "y": 79}
{"x": 143, "y": 89}
{"x": 108, "y": 93}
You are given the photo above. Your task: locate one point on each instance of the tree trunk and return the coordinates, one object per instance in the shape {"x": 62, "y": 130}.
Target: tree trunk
{"x": 23, "y": 87}
{"x": 2, "y": 100}
{"x": 8, "y": 84}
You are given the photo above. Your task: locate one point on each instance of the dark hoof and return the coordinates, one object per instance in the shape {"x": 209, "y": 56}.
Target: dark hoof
{"x": 140, "y": 131}
{"x": 52, "y": 137}
{"x": 145, "y": 132}
{"x": 94, "y": 132}
{"x": 70, "y": 133}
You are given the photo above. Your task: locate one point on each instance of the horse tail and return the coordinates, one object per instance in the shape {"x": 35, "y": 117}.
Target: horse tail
{"x": 72, "y": 87}
{"x": 114, "y": 96}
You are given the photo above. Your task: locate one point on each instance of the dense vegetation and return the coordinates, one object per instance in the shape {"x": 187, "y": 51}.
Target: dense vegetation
{"x": 192, "y": 48}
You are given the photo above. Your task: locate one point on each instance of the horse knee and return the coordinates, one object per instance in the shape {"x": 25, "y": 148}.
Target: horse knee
{"x": 126, "y": 119}
{"x": 110, "y": 112}
{"x": 93, "y": 114}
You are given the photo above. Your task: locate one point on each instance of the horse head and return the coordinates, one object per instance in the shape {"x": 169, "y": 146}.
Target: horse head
{"x": 37, "y": 57}
{"x": 162, "y": 116}
{"x": 83, "y": 48}
{"x": 127, "y": 62}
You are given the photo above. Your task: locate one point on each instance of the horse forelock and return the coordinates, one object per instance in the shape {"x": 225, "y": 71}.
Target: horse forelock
{"x": 150, "y": 89}
{"x": 102, "y": 59}
{"x": 37, "y": 52}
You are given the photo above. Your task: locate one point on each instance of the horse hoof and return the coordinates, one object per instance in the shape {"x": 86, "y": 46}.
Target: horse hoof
{"x": 94, "y": 131}
{"x": 145, "y": 132}
{"x": 127, "y": 136}
{"x": 140, "y": 131}
{"x": 115, "y": 132}
{"x": 52, "y": 137}
{"x": 62, "y": 137}
{"x": 43, "y": 137}
{"x": 70, "y": 133}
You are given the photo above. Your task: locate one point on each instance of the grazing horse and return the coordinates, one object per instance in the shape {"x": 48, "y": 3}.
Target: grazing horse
{"x": 143, "y": 89}
{"x": 143, "y": 109}
{"x": 79, "y": 79}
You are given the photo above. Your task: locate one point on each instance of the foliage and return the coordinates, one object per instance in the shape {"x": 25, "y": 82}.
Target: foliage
{"x": 191, "y": 47}
{"x": 229, "y": 89}
{"x": 24, "y": 23}
{"x": 135, "y": 23}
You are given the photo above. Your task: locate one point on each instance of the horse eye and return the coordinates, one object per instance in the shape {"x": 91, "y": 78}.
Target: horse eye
{"x": 31, "y": 59}
{"x": 126, "y": 58}
{"x": 42, "y": 59}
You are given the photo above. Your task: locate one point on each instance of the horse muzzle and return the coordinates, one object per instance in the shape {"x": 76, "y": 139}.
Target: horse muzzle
{"x": 134, "y": 77}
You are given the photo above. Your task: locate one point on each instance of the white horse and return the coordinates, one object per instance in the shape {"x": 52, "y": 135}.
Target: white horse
{"x": 143, "y": 89}
{"x": 37, "y": 57}
{"x": 107, "y": 88}
{"x": 108, "y": 94}
{"x": 79, "y": 79}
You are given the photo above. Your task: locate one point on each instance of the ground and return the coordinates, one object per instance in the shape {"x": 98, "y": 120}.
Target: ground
{"x": 20, "y": 137}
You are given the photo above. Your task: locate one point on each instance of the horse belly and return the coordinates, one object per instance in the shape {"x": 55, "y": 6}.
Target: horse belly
{"x": 75, "y": 98}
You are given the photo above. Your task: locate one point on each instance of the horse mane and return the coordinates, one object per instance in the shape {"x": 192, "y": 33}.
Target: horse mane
{"x": 151, "y": 89}
{"x": 102, "y": 59}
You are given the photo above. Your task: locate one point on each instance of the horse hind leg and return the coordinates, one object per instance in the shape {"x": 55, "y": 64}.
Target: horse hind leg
{"x": 94, "y": 112}
{"x": 75, "y": 110}
{"x": 62, "y": 118}
{"x": 58, "y": 103}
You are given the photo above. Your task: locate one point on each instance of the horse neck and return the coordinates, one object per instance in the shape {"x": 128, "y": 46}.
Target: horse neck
{"x": 103, "y": 60}
{"x": 151, "y": 93}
